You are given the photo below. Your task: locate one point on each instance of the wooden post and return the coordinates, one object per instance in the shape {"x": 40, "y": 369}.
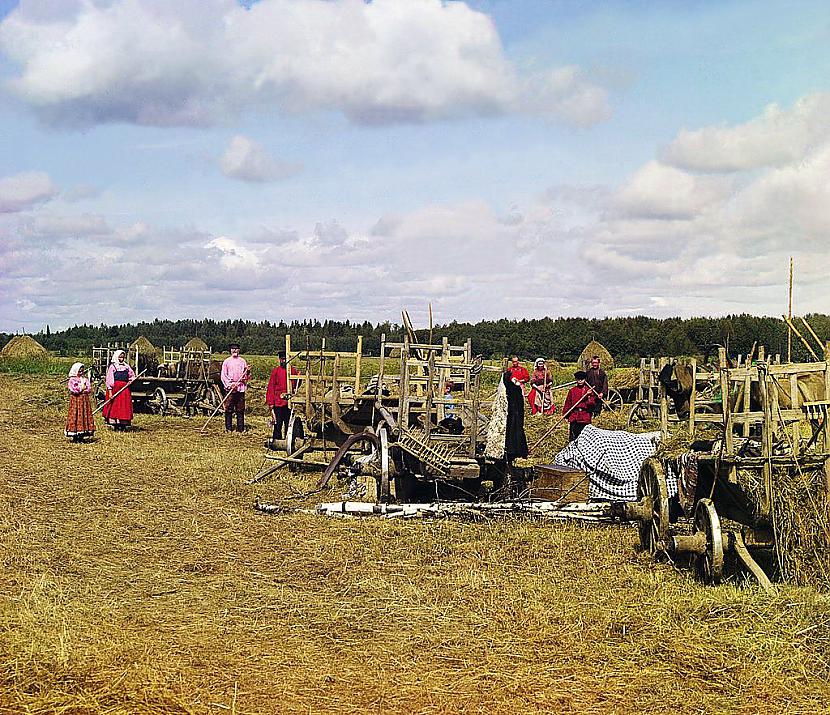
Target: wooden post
{"x": 664, "y": 405}
{"x": 382, "y": 365}
{"x": 652, "y": 397}
{"x": 762, "y": 354}
{"x": 766, "y": 441}
{"x": 403, "y": 418}
{"x": 826, "y": 425}
{"x": 790, "y": 315}
{"x": 746, "y": 399}
{"x": 693, "y": 399}
{"x": 725, "y": 393}
{"x": 357, "y": 360}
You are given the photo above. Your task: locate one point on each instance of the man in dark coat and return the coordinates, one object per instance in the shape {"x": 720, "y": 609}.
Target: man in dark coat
{"x": 596, "y": 378}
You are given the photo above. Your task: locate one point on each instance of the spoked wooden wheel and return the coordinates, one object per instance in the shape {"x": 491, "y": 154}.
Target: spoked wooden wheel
{"x": 294, "y": 434}
{"x": 653, "y": 494}
{"x": 638, "y": 415}
{"x": 613, "y": 401}
{"x": 709, "y": 564}
{"x": 158, "y": 402}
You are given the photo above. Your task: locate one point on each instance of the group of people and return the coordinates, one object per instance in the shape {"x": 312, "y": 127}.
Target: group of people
{"x": 117, "y": 408}
{"x": 583, "y": 402}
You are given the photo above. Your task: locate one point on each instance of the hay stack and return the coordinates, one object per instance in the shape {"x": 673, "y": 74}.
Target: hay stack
{"x": 23, "y": 346}
{"x": 595, "y": 348}
{"x": 144, "y": 345}
{"x": 148, "y": 356}
{"x": 624, "y": 378}
{"x": 195, "y": 344}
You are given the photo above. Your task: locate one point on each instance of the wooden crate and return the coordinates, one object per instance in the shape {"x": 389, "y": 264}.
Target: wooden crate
{"x": 555, "y": 482}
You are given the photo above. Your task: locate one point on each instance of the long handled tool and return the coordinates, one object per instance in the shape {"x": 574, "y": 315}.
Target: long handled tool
{"x": 221, "y": 405}
{"x": 104, "y": 404}
{"x": 558, "y": 422}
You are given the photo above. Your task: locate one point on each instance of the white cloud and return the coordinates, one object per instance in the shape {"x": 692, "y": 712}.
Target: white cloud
{"x": 660, "y": 191}
{"x": 246, "y": 160}
{"x": 232, "y": 255}
{"x": 664, "y": 242}
{"x": 22, "y": 191}
{"x": 777, "y": 138}
{"x": 200, "y": 62}
{"x": 65, "y": 227}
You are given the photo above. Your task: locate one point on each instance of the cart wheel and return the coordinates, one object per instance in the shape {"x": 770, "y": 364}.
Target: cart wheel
{"x": 653, "y": 493}
{"x": 709, "y": 564}
{"x": 158, "y": 402}
{"x": 613, "y": 402}
{"x": 294, "y": 434}
{"x": 638, "y": 415}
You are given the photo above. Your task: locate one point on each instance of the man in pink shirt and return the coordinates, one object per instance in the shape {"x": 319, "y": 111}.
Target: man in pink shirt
{"x": 235, "y": 376}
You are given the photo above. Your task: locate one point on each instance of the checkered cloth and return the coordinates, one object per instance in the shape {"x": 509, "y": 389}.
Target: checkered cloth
{"x": 612, "y": 460}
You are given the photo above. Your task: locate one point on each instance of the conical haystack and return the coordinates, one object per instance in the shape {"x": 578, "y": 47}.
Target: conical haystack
{"x": 196, "y": 344}
{"x": 144, "y": 346}
{"x": 23, "y": 346}
{"x": 596, "y": 348}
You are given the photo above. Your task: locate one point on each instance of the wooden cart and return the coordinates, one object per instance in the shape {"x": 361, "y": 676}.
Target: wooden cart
{"x": 402, "y": 427}
{"x": 185, "y": 382}
{"x": 774, "y": 432}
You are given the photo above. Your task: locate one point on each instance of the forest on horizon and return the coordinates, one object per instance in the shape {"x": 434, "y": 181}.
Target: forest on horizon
{"x": 626, "y": 338}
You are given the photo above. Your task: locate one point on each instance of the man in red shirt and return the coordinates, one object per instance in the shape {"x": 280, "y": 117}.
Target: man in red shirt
{"x": 519, "y": 373}
{"x": 276, "y": 397}
{"x": 578, "y": 405}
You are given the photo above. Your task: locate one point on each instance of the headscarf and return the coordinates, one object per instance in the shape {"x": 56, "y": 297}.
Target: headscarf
{"x": 115, "y": 356}
{"x": 75, "y": 369}
{"x": 538, "y": 360}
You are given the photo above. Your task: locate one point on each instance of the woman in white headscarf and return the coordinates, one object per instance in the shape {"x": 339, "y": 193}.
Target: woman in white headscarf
{"x": 540, "y": 396}
{"x": 80, "y": 423}
{"x": 118, "y": 410}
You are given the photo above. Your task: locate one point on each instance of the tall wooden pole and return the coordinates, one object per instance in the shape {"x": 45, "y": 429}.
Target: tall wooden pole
{"x": 790, "y": 316}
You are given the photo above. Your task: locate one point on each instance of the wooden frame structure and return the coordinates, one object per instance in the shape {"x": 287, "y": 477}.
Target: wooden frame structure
{"x": 402, "y": 410}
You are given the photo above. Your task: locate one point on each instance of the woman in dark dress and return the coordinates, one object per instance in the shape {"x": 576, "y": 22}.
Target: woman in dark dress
{"x": 515, "y": 441}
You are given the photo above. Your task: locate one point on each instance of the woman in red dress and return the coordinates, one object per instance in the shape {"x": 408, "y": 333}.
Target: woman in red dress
{"x": 119, "y": 412}
{"x": 540, "y": 396}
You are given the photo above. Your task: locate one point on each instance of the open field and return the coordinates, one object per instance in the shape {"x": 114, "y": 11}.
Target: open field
{"x": 137, "y": 577}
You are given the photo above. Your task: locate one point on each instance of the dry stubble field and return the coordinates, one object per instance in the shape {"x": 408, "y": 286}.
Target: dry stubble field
{"x": 136, "y": 577}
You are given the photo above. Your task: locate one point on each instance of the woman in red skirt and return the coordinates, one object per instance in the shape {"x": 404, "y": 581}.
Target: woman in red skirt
{"x": 80, "y": 423}
{"x": 119, "y": 412}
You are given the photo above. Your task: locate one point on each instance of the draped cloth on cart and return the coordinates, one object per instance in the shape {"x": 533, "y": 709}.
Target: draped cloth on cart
{"x": 612, "y": 461}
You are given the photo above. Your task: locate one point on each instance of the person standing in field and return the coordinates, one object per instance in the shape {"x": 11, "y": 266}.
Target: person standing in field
{"x": 235, "y": 376}
{"x": 595, "y": 376}
{"x": 578, "y": 405}
{"x": 540, "y": 396}
{"x": 519, "y": 373}
{"x": 118, "y": 408}
{"x": 276, "y": 397}
{"x": 80, "y": 423}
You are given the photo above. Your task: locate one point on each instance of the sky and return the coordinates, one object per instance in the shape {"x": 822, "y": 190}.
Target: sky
{"x": 342, "y": 159}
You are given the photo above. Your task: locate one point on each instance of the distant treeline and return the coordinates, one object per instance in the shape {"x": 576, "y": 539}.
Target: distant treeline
{"x": 562, "y": 338}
